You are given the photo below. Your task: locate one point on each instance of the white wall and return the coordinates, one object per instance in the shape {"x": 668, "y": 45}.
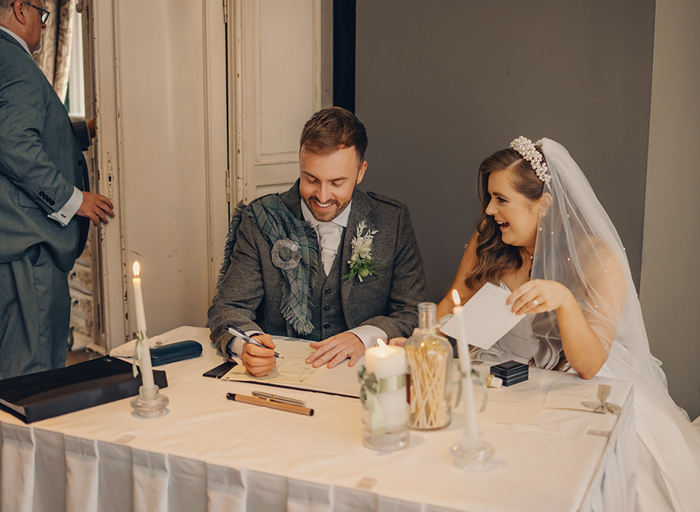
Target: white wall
{"x": 442, "y": 92}
{"x": 670, "y": 281}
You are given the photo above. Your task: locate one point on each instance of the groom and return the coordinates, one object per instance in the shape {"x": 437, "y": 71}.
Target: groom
{"x": 323, "y": 261}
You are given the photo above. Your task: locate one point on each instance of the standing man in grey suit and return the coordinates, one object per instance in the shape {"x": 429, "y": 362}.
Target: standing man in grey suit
{"x": 43, "y": 186}
{"x": 322, "y": 261}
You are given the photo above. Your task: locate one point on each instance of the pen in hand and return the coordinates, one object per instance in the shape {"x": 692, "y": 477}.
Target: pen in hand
{"x": 248, "y": 339}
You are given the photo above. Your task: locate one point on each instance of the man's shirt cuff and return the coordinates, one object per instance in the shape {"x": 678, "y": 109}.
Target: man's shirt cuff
{"x": 65, "y": 214}
{"x": 235, "y": 346}
{"x": 369, "y": 334}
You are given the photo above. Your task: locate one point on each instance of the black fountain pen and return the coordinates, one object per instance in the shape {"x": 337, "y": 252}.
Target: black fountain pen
{"x": 248, "y": 339}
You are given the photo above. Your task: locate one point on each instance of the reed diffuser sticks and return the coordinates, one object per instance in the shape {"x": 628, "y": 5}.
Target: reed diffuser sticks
{"x": 430, "y": 404}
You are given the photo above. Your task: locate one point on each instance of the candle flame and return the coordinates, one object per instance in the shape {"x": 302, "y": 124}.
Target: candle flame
{"x": 455, "y": 298}
{"x": 381, "y": 343}
{"x": 137, "y": 269}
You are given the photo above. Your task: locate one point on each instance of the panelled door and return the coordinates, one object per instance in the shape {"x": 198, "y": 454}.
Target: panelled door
{"x": 277, "y": 75}
{"x": 199, "y": 105}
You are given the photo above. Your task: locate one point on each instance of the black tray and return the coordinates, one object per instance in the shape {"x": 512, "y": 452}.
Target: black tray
{"x": 43, "y": 395}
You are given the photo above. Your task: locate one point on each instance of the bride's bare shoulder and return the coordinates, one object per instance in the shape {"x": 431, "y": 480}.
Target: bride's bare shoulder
{"x": 600, "y": 262}
{"x": 466, "y": 266}
{"x": 594, "y": 251}
{"x": 470, "y": 249}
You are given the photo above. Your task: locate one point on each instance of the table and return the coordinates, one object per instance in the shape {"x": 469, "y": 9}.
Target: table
{"x": 211, "y": 454}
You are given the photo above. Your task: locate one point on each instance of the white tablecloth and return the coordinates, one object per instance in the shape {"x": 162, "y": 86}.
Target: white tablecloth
{"x": 210, "y": 454}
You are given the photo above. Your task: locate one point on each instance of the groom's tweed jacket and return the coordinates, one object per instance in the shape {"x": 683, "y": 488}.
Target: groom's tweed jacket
{"x": 249, "y": 295}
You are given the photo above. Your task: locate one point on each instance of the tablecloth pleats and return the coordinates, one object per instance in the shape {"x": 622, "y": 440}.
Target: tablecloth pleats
{"x": 209, "y": 454}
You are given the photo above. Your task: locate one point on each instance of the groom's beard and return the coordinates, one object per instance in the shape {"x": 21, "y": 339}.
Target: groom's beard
{"x": 332, "y": 212}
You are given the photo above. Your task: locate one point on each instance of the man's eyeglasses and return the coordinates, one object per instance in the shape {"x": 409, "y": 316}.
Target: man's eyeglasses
{"x": 44, "y": 12}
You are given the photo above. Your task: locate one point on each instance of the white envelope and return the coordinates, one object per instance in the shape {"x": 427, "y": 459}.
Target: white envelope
{"x": 486, "y": 317}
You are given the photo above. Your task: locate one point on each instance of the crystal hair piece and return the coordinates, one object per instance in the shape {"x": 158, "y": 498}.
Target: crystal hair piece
{"x": 527, "y": 149}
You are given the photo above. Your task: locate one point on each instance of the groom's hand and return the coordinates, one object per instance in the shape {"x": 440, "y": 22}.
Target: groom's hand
{"x": 259, "y": 361}
{"x": 336, "y": 349}
{"x": 397, "y": 342}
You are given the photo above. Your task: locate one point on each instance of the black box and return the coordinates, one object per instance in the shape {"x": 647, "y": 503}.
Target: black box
{"x": 511, "y": 372}
{"x": 43, "y": 395}
{"x": 514, "y": 380}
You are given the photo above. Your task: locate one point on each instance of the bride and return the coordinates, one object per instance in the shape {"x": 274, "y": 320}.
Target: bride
{"x": 543, "y": 235}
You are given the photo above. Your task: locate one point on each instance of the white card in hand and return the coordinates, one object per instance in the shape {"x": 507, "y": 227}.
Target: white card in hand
{"x": 487, "y": 318}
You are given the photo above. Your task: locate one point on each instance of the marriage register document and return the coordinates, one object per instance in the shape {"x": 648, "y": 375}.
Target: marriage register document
{"x": 291, "y": 367}
{"x": 293, "y": 372}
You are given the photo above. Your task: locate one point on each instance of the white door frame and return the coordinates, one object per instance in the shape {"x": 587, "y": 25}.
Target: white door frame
{"x": 106, "y": 42}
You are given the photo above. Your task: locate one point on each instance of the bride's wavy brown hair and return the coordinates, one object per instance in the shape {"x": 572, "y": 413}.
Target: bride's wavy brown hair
{"x": 495, "y": 258}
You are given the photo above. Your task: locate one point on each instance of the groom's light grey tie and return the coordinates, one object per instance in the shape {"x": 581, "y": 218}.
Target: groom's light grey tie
{"x": 330, "y": 233}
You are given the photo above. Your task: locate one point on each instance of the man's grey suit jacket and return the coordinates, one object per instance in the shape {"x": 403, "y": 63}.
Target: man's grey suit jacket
{"x": 40, "y": 162}
{"x": 249, "y": 296}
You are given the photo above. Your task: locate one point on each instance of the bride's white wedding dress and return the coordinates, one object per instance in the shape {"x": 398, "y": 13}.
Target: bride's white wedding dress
{"x": 578, "y": 246}
{"x": 668, "y": 474}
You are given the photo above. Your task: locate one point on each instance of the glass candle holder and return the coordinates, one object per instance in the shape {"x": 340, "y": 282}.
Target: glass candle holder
{"x": 149, "y": 403}
{"x": 393, "y": 437}
{"x": 384, "y": 399}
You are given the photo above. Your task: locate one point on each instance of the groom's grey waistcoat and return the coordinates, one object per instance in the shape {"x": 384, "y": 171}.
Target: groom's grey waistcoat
{"x": 327, "y": 315}
{"x": 250, "y": 294}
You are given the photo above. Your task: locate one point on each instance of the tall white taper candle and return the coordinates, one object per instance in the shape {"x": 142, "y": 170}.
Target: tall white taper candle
{"x": 145, "y": 355}
{"x": 465, "y": 366}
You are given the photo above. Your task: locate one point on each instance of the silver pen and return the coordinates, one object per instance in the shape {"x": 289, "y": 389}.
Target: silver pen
{"x": 248, "y": 339}
{"x": 278, "y": 398}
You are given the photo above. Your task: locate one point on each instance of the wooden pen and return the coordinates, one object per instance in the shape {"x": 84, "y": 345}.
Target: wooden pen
{"x": 254, "y": 400}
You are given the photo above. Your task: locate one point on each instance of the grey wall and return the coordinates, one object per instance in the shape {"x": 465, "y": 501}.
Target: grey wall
{"x": 443, "y": 84}
{"x": 670, "y": 277}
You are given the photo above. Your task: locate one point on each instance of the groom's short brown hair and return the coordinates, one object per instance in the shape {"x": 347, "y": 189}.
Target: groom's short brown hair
{"x": 331, "y": 129}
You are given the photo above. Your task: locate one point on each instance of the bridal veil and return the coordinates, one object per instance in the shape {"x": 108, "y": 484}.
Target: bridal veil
{"x": 577, "y": 245}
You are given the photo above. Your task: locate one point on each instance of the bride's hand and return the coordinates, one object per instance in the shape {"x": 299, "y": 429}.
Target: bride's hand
{"x": 397, "y": 341}
{"x": 538, "y": 296}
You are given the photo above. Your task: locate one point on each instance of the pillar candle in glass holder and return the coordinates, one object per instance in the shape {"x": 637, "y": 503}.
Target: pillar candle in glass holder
{"x": 145, "y": 355}
{"x": 386, "y": 362}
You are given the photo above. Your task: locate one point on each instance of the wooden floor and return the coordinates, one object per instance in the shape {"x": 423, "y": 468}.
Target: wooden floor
{"x": 78, "y": 356}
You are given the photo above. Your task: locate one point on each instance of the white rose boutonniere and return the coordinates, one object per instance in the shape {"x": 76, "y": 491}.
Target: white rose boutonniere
{"x": 361, "y": 262}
